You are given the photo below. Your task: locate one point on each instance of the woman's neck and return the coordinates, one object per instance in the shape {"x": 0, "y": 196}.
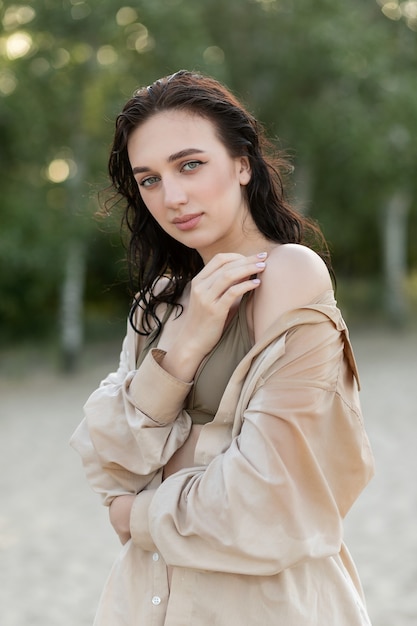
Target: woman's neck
{"x": 249, "y": 243}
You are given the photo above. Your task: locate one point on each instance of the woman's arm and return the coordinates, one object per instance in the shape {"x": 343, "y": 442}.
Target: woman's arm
{"x": 278, "y": 494}
{"x": 134, "y": 422}
{"x": 115, "y": 441}
{"x": 121, "y": 507}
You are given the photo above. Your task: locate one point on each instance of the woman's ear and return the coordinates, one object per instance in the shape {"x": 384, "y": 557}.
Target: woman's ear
{"x": 245, "y": 172}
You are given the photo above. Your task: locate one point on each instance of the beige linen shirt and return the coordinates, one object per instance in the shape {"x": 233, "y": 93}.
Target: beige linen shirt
{"x": 253, "y": 531}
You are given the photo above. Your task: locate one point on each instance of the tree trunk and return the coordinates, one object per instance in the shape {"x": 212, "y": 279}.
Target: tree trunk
{"x": 72, "y": 296}
{"x": 72, "y": 292}
{"x": 395, "y": 256}
{"x": 303, "y": 176}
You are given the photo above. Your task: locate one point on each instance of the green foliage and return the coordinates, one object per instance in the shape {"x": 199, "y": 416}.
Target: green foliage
{"x": 333, "y": 80}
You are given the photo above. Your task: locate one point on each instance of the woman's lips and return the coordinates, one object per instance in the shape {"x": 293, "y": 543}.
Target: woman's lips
{"x": 187, "y": 222}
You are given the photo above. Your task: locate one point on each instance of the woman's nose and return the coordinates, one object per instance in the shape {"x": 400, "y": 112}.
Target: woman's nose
{"x": 174, "y": 193}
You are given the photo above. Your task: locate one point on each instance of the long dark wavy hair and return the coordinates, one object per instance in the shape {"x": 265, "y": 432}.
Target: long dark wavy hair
{"x": 151, "y": 252}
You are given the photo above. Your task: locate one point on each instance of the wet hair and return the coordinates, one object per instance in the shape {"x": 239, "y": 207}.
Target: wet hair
{"x": 151, "y": 252}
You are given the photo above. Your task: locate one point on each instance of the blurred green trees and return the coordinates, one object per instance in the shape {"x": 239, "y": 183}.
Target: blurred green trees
{"x": 335, "y": 81}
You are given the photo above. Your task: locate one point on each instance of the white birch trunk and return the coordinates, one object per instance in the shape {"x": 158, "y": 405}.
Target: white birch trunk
{"x": 72, "y": 296}
{"x": 303, "y": 186}
{"x": 395, "y": 256}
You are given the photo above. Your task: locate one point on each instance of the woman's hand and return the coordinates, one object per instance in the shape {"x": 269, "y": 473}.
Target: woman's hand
{"x": 119, "y": 512}
{"x": 213, "y": 293}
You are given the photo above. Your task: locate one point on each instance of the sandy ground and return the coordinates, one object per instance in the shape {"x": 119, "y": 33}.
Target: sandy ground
{"x": 56, "y": 546}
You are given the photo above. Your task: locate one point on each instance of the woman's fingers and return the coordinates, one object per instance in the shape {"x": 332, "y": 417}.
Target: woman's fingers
{"x": 218, "y": 261}
{"x": 225, "y": 273}
{"x": 212, "y": 296}
{"x": 214, "y": 292}
{"x": 119, "y": 512}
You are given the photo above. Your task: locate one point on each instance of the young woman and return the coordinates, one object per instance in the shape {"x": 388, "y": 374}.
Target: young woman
{"x": 229, "y": 444}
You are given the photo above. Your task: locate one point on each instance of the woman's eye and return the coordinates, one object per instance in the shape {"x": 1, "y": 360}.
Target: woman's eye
{"x": 191, "y": 165}
{"x": 147, "y": 182}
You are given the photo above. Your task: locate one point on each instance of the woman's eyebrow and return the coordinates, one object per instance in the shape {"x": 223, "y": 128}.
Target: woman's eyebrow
{"x": 183, "y": 153}
{"x": 172, "y": 157}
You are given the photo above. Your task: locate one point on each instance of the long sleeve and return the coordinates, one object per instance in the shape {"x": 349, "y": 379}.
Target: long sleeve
{"x": 277, "y": 495}
{"x": 133, "y": 424}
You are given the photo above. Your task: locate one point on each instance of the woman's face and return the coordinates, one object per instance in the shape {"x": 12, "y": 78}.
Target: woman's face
{"x": 189, "y": 182}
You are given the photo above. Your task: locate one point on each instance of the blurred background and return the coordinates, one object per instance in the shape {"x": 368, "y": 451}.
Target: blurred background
{"x": 334, "y": 83}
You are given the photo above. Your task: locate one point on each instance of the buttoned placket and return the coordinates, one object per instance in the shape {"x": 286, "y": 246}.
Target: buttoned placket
{"x": 156, "y": 600}
{"x": 159, "y": 592}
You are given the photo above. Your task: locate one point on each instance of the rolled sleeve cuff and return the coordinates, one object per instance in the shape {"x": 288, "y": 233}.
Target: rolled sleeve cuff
{"x": 139, "y": 521}
{"x": 155, "y": 392}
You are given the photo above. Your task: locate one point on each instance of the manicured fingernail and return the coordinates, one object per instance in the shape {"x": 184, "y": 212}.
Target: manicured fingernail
{"x": 262, "y": 255}
{"x": 261, "y": 264}
{"x": 256, "y": 281}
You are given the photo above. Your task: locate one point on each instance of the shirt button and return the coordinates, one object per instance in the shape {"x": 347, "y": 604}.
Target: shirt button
{"x": 155, "y": 556}
{"x": 156, "y": 600}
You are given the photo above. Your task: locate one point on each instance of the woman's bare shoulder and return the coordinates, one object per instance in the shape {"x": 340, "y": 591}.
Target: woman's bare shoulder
{"x": 295, "y": 276}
